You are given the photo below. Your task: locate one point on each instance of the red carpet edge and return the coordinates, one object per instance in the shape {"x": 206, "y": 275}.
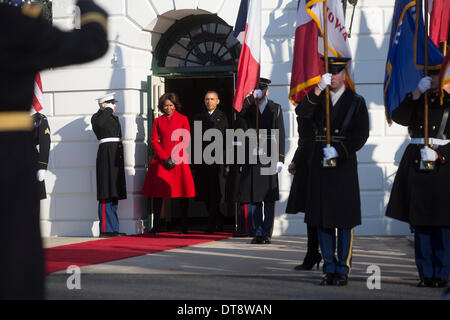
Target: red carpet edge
{"x": 104, "y": 250}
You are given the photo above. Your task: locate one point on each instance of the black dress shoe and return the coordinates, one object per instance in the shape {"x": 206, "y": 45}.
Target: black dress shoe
{"x": 440, "y": 283}
{"x": 266, "y": 240}
{"x": 258, "y": 240}
{"x": 327, "y": 279}
{"x": 425, "y": 282}
{"x": 108, "y": 234}
{"x": 340, "y": 279}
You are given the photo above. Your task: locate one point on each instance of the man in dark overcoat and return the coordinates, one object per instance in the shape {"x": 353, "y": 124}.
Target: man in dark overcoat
{"x": 421, "y": 197}
{"x": 210, "y": 173}
{"x": 28, "y": 45}
{"x": 258, "y": 178}
{"x": 333, "y": 200}
{"x": 110, "y": 167}
{"x": 41, "y": 137}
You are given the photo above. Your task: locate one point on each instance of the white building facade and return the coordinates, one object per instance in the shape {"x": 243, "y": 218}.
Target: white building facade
{"x": 141, "y": 63}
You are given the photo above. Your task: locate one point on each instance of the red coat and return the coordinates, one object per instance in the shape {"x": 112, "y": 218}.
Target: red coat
{"x": 177, "y": 182}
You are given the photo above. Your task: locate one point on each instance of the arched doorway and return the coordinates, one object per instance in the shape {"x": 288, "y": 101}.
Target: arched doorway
{"x": 196, "y": 54}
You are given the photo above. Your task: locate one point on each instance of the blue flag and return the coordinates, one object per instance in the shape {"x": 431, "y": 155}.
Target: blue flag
{"x": 241, "y": 20}
{"x": 404, "y": 65}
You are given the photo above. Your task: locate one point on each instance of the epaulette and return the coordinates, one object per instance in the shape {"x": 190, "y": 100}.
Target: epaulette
{"x": 32, "y": 11}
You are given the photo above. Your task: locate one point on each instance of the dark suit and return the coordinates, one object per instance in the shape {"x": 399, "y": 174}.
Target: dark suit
{"x": 28, "y": 46}
{"x": 210, "y": 178}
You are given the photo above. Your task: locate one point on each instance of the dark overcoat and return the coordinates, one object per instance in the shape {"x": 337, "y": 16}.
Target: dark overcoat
{"x": 210, "y": 178}
{"x": 41, "y": 137}
{"x": 333, "y": 193}
{"x": 419, "y": 197}
{"x": 29, "y": 45}
{"x": 253, "y": 186}
{"x": 302, "y": 157}
{"x": 110, "y": 167}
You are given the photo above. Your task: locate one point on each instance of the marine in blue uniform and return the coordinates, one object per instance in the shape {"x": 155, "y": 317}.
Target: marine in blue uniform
{"x": 333, "y": 200}
{"x": 421, "y": 197}
{"x": 28, "y": 45}
{"x": 110, "y": 167}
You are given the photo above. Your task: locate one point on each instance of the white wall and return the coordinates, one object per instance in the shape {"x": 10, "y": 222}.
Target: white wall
{"x": 135, "y": 27}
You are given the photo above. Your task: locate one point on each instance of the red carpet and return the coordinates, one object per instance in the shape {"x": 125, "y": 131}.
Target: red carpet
{"x": 104, "y": 250}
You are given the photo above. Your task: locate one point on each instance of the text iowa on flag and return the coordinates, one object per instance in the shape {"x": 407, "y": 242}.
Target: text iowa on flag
{"x": 249, "y": 60}
{"x": 404, "y": 65}
{"x": 307, "y": 67}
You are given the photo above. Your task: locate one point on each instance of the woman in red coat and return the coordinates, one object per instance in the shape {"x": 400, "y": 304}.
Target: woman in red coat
{"x": 169, "y": 174}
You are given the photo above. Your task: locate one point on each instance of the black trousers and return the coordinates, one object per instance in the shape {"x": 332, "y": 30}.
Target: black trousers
{"x": 157, "y": 205}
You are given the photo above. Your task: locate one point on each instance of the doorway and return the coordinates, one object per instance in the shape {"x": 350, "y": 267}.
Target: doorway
{"x": 191, "y": 91}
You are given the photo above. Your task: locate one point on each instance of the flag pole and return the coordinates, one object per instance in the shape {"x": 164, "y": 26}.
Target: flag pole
{"x": 327, "y": 89}
{"x": 425, "y": 71}
{"x": 426, "y": 165}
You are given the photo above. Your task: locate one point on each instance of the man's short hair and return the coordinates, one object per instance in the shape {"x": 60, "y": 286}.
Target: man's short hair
{"x": 212, "y": 91}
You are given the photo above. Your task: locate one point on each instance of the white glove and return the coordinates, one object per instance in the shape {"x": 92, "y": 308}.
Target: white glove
{"x": 330, "y": 153}
{"x": 279, "y": 166}
{"x": 428, "y": 154}
{"x": 325, "y": 81}
{"x": 424, "y": 84}
{"x": 259, "y": 93}
{"x": 41, "y": 174}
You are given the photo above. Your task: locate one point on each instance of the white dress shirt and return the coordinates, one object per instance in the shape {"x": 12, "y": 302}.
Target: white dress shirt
{"x": 336, "y": 95}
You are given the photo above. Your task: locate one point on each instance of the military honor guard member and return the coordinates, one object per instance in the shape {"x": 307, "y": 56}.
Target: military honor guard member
{"x": 30, "y": 44}
{"x": 210, "y": 178}
{"x": 333, "y": 200}
{"x": 258, "y": 190}
{"x": 420, "y": 193}
{"x": 110, "y": 167}
{"x": 41, "y": 137}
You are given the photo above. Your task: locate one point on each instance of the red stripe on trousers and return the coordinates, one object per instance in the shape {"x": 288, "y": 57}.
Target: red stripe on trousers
{"x": 104, "y": 217}
{"x": 246, "y": 218}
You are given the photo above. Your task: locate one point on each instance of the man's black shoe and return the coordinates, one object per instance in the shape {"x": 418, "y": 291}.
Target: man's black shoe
{"x": 108, "y": 234}
{"x": 266, "y": 240}
{"x": 340, "y": 279}
{"x": 425, "y": 282}
{"x": 327, "y": 279}
{"x": 258, "y": 240}
{"x": 440, "y": 283}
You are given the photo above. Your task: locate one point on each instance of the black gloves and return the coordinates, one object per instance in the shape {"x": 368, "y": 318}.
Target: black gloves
{"x": 169, "y": 163}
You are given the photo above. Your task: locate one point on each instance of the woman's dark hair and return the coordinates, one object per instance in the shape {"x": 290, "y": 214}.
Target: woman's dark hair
{"x": 172, "y": 97}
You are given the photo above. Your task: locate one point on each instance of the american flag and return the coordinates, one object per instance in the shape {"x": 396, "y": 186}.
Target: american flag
{"x": 38, "y": 103}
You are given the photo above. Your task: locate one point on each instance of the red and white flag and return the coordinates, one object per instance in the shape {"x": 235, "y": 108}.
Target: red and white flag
{"x": 38, "y": 101}
{"x": 439, "y": 20}
{"x": 249, "y": 60}
{"x": 444, "y": 77}
{"x": 308, "y": 47}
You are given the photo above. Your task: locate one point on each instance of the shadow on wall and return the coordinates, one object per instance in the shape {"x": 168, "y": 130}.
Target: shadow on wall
{"x": 73, "y": 200}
